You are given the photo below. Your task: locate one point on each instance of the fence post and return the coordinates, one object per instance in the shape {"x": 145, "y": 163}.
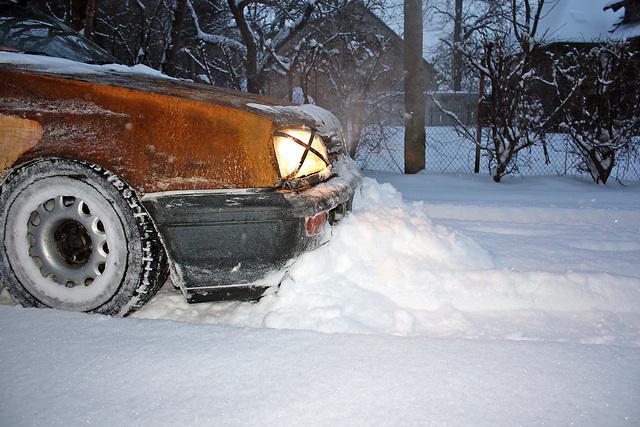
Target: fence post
{"x": 476, "y": 167}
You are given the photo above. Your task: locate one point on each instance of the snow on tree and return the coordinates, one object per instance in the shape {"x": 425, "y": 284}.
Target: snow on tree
{"x": 602, "y": 117}
{"x": 514, "y": 114}
{"x": 348, "y": 59}
{"x": 355, "y": 65}
{"x": 265, "y": 27}
{"x": 128, "y": 31}
{"x": 462, "y": 24}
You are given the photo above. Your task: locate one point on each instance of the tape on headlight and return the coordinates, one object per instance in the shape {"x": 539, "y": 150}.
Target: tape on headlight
{"x": 300, "y": 152}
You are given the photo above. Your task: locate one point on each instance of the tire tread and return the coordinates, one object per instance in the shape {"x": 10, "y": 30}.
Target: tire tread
{"x": 154, "y": 270}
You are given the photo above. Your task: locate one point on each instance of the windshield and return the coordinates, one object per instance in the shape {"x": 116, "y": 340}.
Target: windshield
{"x": 27, "y": 30}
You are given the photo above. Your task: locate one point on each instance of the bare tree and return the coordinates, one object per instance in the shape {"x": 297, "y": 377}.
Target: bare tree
{"x": 515, "y": 115}
{"x": 414, "y": 135}
{"x": 359, "y": 78}
{"x": 168, "y": 63}
{"x": 78, "y": 14}
{"x": 90, "y": 18}
{"x": 135, "y": 31}
{"x": 464, "y": 25}
{"x": 298, "y": 65}
{"x": 265, "y": 27}
{"x": 346, "y": 52}
{"x": 261, "y": 33}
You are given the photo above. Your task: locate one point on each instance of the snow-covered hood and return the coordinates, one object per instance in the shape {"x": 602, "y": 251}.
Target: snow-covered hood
{"x": 143, "y": 78}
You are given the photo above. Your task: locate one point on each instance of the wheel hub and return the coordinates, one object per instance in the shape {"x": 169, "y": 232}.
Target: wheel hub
{"x": 73, "y": 243}
{"x": 67, "y": 241}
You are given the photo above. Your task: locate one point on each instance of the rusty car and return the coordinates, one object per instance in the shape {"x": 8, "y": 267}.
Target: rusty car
{"x": 114, "y": 178}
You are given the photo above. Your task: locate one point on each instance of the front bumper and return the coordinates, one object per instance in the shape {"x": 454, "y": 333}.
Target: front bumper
{"x": 223, "y": 243}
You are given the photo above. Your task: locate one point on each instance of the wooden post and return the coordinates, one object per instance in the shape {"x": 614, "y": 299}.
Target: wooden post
{"x": 476, "y": 167}
{"x": 456, "y": 60}
{"x": 414, "y": 97}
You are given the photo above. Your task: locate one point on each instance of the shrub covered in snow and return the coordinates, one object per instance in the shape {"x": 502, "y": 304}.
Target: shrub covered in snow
{"x": 602, "y": 117}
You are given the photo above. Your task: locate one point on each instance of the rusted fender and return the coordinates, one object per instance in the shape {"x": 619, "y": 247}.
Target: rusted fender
{"x": 155, "y": 141}
{"x": 17, "y": 136}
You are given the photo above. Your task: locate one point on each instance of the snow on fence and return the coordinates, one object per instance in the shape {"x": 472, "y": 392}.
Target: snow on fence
{"x": 448, "y": 152}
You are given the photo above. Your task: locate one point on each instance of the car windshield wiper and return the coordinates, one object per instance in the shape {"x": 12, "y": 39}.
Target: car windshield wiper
{"x": 102, "y": 62}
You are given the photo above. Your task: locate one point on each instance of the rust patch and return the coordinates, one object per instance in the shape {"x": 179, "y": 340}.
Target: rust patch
{"x": 17, "y": 136}
{"x": 155, "y": 141}
{"x": 66, "y": 106}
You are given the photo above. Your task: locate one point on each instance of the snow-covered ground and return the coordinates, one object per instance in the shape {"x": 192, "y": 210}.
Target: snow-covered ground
{"x": 68, "y": 369}
{"x": 449, "y": 301}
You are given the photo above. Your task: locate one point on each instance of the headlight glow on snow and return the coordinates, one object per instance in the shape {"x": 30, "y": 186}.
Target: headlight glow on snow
{"x": 300, "y": 152}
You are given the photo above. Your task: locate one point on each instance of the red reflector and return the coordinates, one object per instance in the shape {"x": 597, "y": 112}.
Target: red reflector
{"x": 315, "y": 224}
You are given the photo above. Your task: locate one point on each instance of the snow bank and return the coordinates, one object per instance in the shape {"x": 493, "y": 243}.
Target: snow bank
{"x": 62, "y": 369}
{"x": 366, "y": 276}
{"x": 389, "y": 269}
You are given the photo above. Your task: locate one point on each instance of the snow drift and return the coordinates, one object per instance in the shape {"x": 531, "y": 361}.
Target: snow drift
{"x": 387, "y": 268}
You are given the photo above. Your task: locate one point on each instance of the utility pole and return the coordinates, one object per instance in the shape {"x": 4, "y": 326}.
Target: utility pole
{"x": 456, "y": 57}
{"x": 476, "y": 166}
{"x": 414, "y": 96}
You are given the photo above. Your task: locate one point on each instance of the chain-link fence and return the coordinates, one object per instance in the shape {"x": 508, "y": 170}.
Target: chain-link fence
{"x": 449, "y": 152}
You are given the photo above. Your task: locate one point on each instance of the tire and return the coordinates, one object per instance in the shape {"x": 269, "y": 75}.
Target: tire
{"x": 74, "y": 236}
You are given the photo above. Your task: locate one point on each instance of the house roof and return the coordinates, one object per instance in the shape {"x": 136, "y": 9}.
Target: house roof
{"x": 392, "y": 14}
{"x": 387, "y": 22}
{"x": 584, "y": 21}
{"x": 614, "y": 4}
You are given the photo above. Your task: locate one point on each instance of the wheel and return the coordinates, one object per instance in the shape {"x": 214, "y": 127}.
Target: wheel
{"x": 74, "y": 236}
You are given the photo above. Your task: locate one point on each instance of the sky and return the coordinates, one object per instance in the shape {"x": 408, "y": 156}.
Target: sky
{"x": 563, "y": 20}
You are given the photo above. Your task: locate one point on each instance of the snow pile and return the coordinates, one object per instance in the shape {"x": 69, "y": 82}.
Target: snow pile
{"x": 543, "y": 259}
{"x": 389, "y": 269}
{"x": 382, "y": 261}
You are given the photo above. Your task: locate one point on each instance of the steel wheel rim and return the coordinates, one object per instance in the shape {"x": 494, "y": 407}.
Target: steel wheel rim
{"x": 20, "y": 242}
{"x": 67, "y": 242}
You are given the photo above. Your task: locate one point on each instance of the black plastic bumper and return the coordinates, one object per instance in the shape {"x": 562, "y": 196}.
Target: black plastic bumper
{"x": 221, "y": 244}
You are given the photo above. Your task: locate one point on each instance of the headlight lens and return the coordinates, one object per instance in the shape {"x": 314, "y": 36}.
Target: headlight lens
{"x": 300, "y": 152}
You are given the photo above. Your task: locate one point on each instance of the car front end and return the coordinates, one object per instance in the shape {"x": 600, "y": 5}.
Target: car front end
{"x": 225, "y": 243}
{"x": 113, "y": 177}
{"x": 236, "y": 184}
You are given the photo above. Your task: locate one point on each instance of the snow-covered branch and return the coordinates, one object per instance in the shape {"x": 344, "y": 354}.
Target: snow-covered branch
{"x": 212, "y": 38}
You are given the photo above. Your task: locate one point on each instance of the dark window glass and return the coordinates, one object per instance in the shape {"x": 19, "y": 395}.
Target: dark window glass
{"x": 45, "y": 36}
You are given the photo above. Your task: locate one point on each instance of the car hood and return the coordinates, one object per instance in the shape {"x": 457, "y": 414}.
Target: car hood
{"x": 142, "y": 78}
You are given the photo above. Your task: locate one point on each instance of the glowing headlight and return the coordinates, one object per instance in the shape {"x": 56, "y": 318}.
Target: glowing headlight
{"x": 300, "y": 152}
